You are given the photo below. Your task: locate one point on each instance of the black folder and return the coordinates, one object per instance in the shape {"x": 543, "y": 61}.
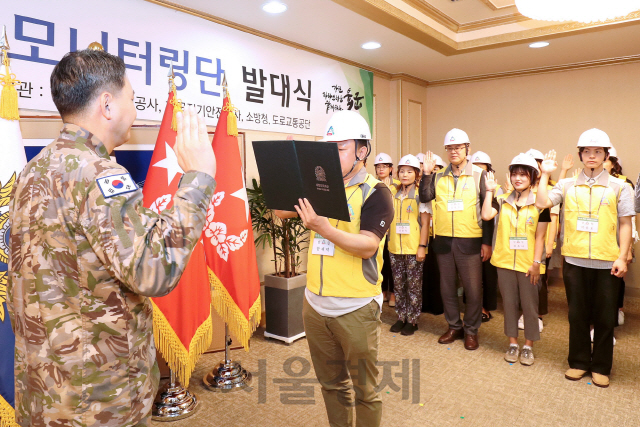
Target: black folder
{"x": 292, "y": 170}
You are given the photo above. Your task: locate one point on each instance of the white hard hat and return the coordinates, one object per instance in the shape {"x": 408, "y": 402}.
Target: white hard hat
{"x": 536, "y": 154}
{"x": 383, "y": 158}
{"x": 456, "y": 136}
{"x": 420, "y": 157}
{"x": 409, "y": 160}
{"x": 525, "y": 159}
{"x": 344, "y": 125}
{"x": 613, "y": 152}
{"x": 594, "y": 138}
{"x": 480, "y": 157}
{"x": 439, "y": 161}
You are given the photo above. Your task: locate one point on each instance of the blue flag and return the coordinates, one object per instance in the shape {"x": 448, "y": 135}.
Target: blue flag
{"x": 12, "y": 160}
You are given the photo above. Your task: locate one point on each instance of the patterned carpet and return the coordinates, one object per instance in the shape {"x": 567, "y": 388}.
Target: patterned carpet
{"x": 452, "y": 387}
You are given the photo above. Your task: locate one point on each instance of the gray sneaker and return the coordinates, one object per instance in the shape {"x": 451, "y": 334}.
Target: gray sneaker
{"x": 526, "y": 357}
{"x": 511, "y": 355}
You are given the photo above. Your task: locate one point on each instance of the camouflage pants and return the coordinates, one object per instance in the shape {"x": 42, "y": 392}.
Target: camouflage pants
{"x": 407, "y": 281}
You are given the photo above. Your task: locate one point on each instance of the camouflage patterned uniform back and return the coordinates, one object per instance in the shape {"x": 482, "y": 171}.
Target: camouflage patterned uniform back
{"x": 81, "y": 269}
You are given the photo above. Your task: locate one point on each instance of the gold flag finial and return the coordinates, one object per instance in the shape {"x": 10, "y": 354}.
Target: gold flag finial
{"x": 171, "y": 76}
{"x": 4, "y": 43}
{"x": 224, "y": 86}
{"x": 95, "y": 46}
{"x": 9, "y": 94}
{"x": 232, "y": 120}
{"x": 177, "y": 103}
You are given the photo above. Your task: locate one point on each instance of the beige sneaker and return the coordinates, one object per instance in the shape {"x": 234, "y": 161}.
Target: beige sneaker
{"x": 600, "y": 380}
{"x": 574, "y": 374}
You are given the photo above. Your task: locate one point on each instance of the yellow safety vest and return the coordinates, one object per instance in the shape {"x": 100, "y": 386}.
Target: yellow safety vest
{"x": 599, "y": 202}
{"x": 406, "y": 210}
{"x": 466, "y": 222}
{"x": 343, "y": 274}
{"x": 518, "y": 223}
{"x": 394, "y": 187}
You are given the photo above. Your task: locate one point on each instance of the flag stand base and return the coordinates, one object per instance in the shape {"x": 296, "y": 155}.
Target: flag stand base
{"x": 228, "y": 375}
{"x": 173, "y": 402}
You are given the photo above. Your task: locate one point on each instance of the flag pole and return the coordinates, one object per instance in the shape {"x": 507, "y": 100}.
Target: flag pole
{"x": 173, "y": 401}
{"x": 228, "y": 375}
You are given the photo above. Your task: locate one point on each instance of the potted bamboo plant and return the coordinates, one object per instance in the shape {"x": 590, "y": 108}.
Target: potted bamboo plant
{"x": 284, "y": 289}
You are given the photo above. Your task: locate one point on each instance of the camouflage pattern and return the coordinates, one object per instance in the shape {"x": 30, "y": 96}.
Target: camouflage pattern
{"x": 81, "y": 269}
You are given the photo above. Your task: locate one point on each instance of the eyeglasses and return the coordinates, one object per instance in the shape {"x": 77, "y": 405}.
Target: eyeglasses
{"x": 450, "y": 149}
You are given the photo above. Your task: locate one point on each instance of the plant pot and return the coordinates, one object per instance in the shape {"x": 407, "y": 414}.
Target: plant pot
{"x": 283, "y": 306}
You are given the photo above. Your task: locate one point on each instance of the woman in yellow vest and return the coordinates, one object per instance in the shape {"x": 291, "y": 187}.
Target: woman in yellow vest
{"x": 384, "y": 170}
{"x": 597, "y": 211}
{"x": 550, "y": 241}
{"x": 518, "y": 248}
{"x": 408, "y": 236}
{"x": 384, "y": 173}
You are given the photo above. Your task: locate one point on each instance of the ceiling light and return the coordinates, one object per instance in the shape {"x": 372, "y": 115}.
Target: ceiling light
{"x": 274, "y": 7}
{"x": 576, "y": 10}
{"x": 371, "y": 45}
{"x": 539, "y": 44}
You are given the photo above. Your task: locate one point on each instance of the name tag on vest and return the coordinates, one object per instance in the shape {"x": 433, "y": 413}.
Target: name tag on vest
{"x": 403, "y": 228}
{"x": 322, "y": 246}
{"x": 518, "y": 243}
{"x": 454, "y": 205}
{"x": 587, "y": 224}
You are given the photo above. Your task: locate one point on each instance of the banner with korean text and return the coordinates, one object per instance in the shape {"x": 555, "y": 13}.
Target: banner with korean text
{"x": 276, "y": 87}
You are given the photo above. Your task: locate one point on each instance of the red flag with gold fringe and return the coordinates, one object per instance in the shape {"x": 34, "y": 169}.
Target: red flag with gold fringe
{"x": 182, "y": 325}
{"x": 228, "y": 236}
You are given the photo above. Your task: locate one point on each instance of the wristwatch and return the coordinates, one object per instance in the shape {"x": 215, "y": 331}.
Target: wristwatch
{"x": 422, "y": 246}
{"x": 537, "y": 262}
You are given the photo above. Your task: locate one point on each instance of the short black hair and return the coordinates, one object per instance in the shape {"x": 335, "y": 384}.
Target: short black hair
{"x": 606, "y": 152}
{"x": 80, "y": 76}
{"x": 524, "y": 169}
{"x": 363, "y": 143}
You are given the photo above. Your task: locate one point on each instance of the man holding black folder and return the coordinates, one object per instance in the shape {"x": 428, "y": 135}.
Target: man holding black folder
{"x": 344, "y": 296}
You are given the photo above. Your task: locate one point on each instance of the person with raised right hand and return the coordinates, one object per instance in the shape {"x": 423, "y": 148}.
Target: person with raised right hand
{"x": 596, "y": 217}
{"x": 463, "y": 240}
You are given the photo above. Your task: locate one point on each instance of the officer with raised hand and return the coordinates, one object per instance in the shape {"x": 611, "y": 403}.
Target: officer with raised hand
{"x": 86, "y": 255}
{"x": 463, "y": 240}
{"x": 596, "y": 217}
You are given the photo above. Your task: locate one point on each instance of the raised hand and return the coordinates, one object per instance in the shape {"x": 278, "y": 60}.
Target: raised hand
{"x": 567, "y": 163}
{"x": 507, "y": 184}
{"x": 549, "y": 164}
{"x": 577, "y": 172}
{"x": 193, "y": 148}
{"x": 490, "y": 182}
{"x": 429, "y": 163}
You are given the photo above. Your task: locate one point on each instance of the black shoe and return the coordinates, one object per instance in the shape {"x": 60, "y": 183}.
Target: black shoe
{"x": 486, "y": 317}
{"x": 398, "y": 326}
{"x": 409, "y": 329}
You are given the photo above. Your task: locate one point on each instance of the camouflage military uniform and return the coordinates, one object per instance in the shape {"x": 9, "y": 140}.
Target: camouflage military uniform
{"x": 81, "y": 267}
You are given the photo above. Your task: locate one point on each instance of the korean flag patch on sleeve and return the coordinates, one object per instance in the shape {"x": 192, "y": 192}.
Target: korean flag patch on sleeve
{"x": 115, "y": 185}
